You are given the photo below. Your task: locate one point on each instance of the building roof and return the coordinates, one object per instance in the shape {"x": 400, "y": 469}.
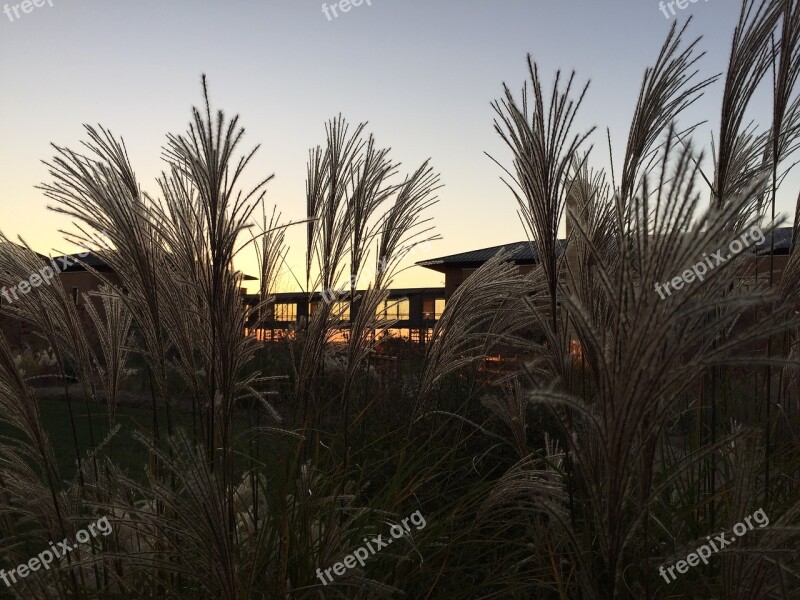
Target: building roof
{"x": 70, "y": 262}
{"x": 521, "y": 253}
{"x": 783, "y": 241}
{"x": 525, "y": 253}
{"x": 95, "y": 262}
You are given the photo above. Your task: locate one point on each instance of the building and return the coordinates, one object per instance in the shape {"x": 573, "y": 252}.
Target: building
{"x": 78, "y": 273}
{"x": 414, "y": 311}
{"x": 457, "y": 267}
{"x": 77, "y": 279}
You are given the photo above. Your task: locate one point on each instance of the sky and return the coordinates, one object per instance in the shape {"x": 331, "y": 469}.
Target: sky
{"x": 422, "y": 73}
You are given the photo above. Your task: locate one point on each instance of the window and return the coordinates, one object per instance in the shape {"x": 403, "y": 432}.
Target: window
{"x": 286, "y": 311}
{"x": 432, "y": 308}
{"x": 338, "y": 310}
{"x": 393, "y": 310}
{"x": 341, "y": 310}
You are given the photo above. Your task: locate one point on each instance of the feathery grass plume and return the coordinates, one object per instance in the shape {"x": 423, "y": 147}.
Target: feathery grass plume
{"x": 544, "y": 153}
{"x": 270, "y": 255}
{"x": 348, "y": 182}
{"x": 667, "y": 89}
{"x": 400, "y": 224}
{"x": 784, "y": 136}
{"x": 476, "y": 317}
{"x": 174, "y": 258}
{"x": 646, "y": 231}
{"x": 651, "y": 349}
{"x": 589, "y": 202}
{"x": 205, "y": 155}
{"x": 202, "y": 189}
{"x": 32, "y": 496}
{"x": 369, "y": 190}
{"x": 511, "y": 407}
{"x": 113, "y": 327}
{"x": 622, "y": 325}
{"x": 759, "y": 566}
{"x": 529, "y": 484}
{"x": 190, "y": 535}
{"x": 102, "y": 194}
{"x": 330, "y": 174}
{"x": 54, "y": 317}
{"x": 737, "y": 154}
{"x": 741, "y": 158}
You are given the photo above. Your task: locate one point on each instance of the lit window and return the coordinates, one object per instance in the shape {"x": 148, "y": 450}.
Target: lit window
{"x": 432, "y": 308}
{"x": 393, "y": 310}
{"x": 341, "y": 310}
{"x": 286, "y": 311}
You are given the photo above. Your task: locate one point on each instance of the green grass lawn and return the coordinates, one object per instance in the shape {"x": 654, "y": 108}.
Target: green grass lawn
{"x": 124, "y": 449}
{"x": 127, "y": 452}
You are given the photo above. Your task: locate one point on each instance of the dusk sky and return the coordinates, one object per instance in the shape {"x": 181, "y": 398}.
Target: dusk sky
{"x": 423, "y": 73}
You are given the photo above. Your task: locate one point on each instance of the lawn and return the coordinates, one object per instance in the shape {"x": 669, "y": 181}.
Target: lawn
{"x": 123, "y": 448}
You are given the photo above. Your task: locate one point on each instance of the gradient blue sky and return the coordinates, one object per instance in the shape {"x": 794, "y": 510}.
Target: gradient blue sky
{"x": 422, "y": 73}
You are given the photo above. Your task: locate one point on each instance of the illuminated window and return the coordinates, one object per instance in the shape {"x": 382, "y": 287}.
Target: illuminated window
{"x": 432, "y": 308}
{"x": 286, "y": 311}
{"x": 393, "y": 310}
{"x": 341, "y": 310}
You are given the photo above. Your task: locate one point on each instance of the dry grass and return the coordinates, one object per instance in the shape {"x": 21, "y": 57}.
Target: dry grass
{"x": 638, "y": 426}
